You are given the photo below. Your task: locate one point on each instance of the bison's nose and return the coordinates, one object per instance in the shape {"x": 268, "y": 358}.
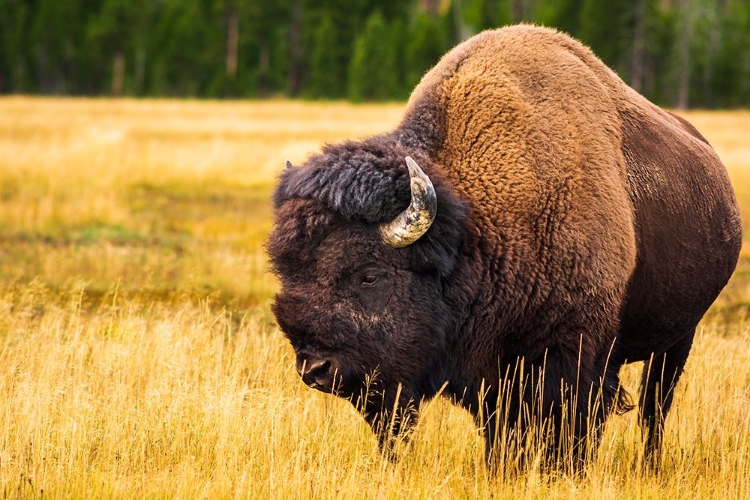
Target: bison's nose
{"x": 318, "y": 373}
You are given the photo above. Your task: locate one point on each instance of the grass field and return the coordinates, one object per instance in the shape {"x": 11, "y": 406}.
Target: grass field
{"x": 138, "y": 356}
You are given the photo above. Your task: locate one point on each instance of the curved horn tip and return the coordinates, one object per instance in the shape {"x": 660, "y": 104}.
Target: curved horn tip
{"x": 414, "y": 168}
{"x": 413, "y": 222}
{"x": 288, "y": 165}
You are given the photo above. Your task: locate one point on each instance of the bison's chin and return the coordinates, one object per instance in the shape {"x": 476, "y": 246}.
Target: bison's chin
{"x": 391, "y": 410}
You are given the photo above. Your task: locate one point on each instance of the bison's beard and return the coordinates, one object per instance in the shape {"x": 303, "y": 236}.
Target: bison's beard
{"x": 391, "y": 412}
{"x": 389, "y": 402}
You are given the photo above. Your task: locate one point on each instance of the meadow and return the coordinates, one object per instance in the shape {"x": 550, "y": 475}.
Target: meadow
{"x": 139, "y": 357}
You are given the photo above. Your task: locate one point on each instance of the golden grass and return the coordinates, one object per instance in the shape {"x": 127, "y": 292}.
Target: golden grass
{"x": 139, "y": 357}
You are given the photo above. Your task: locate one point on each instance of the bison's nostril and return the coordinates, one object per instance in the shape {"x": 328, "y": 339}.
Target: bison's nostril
{"x": 318, "y": 374}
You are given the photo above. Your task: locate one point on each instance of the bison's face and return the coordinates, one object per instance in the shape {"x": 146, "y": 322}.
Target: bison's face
{"x": 367, "y": 317}
{"x": 359, "y": 318}
{"x": 363, "y": 323}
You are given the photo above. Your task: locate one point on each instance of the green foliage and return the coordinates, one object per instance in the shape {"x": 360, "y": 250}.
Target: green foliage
{"x": 603, "y": 26}
{"x": 56, "y": 31}
{"x": 398, "y": 40}
{"x": 109, "y": 34}
{"x": 562, "y": 14}
{"x": 660, "y": 34}
{"x": 731, "y": 78}
{"x": 372, "y": 73}
{"x": 264, "y": 51}
{"x": 183, "y": 61}
{"x": 323, "y": 49}
{"x": 487, "y": 14}
{"x": 323, "y": 77}
{"x": 424, "y": 48}
{"x": 111, "y": 26}
{"x": 14, "y": 32}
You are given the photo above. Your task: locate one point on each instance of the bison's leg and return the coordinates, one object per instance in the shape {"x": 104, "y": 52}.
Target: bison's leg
{"x": 505, "y": 418}
{"x": 556, "y": 406}
{"x": 572, "y": 415}
{"x": 660, "y": 376}
{"x": 578, "y": 397}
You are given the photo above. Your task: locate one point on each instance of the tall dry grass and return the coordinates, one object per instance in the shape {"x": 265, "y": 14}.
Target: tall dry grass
{"x": 139, "y": 357}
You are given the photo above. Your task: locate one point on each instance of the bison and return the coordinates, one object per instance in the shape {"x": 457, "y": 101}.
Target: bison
{"x": 531, "y": 225}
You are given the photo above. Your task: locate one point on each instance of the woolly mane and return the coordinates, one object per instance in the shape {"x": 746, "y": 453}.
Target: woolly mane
{"x": 367, "y": 183}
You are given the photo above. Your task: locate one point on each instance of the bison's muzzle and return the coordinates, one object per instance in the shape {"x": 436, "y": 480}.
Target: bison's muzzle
{"x": 320, "y": 373}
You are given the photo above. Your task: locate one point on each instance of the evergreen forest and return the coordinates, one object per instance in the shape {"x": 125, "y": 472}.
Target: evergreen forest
{"x": 679, "y": 53}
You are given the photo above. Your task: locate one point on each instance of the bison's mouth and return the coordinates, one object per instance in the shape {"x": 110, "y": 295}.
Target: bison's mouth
{"x": 390, "y": 411}
{"x": 321, "y": 388}
{"x": 333, "y": 388}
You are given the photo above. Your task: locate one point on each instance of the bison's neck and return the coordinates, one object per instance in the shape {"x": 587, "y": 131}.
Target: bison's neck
{"x": 496, "y": 305}
{"x": 474, "y": 344}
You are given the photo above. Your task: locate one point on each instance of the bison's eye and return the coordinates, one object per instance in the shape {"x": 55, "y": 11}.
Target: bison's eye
{"x": 373, "y": 285}
{"x": 369, "y": 279}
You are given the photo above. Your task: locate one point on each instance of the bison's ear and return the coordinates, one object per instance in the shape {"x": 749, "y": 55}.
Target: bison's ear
{"x": 413, "y": 222}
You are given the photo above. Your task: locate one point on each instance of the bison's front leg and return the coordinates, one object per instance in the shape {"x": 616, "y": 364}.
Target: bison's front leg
{"x": 548, "y": 412}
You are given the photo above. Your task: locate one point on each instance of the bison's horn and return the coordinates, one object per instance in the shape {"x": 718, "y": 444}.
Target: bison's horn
{"x": 288, "y": 165}
{"x": 413, "y": 222}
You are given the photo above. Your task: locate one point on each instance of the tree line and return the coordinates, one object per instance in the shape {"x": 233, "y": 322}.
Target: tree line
{"x": 678, "y": 53}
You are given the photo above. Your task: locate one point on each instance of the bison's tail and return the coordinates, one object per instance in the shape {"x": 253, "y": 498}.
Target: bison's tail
{"x": 623, "y": 401}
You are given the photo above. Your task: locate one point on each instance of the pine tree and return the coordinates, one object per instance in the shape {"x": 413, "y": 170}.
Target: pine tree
{"x": 424, "y": 49}
{"x": 269, "y": 47}
{"x": 659, "y": 33}
{"x": 487, "y": 14}
{"x": 704, "y": 45}
{"x": 682, "y": 53}
{"x": 348, "y": 18}
{"x": 372, "y": 72}
{"x": 602, "y": 26}
{"x": 14, "y": 43}
{"x": 189, "y": 47}
{"x": 56, "y": 36}
{"x": 111, "y": 30}
{"x": 731, "y": 79}
{"x": 323, "y": 77}
{"x": 398, "y": 41}
{"x": 564, "y": 15}
{"x": 6, "y": 14}
{"x": 676, "y": 52}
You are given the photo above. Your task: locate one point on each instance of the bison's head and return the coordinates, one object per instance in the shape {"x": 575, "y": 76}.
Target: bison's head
{"x": 363, "y": 245}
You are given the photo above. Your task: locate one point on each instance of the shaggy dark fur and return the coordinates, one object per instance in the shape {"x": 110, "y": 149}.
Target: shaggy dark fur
{"x": 579, "y": 227}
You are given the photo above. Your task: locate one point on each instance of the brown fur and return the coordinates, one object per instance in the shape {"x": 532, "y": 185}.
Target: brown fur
{"x": 600, "y": 230}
